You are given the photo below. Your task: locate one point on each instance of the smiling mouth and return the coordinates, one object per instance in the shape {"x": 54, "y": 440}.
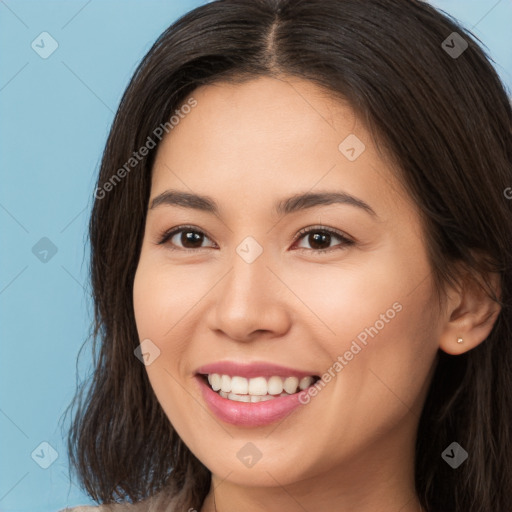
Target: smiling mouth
{"x": 257, "y": 389}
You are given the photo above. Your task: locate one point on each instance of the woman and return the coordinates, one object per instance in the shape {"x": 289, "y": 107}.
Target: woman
{"x": 301, "y": 263}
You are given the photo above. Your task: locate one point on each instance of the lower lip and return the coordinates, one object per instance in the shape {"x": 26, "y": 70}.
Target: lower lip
{"x": 248, "y": 414}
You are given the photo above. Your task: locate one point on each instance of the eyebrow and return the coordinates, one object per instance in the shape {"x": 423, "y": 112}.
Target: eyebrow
{"x": 284, "y": 207}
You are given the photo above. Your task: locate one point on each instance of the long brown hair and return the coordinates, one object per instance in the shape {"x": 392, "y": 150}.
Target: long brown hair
{"x": 446, "y": 122}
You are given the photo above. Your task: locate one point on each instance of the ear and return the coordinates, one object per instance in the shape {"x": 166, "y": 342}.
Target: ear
{"x": 470, "y": 314}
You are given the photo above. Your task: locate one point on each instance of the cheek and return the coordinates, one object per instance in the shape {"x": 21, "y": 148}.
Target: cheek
{"x": 362, "y": 294}
{"x": 388, "y": 376}
{"x": 163, "y": 294}
{"x": 379, "y": 359}
{"x": 377, "y": 316}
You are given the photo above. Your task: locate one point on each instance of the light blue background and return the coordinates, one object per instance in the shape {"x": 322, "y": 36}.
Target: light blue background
{"x": 55, "y": 117}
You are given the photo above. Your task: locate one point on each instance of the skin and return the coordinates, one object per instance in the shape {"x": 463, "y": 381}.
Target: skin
{"x": 352, "y": 446}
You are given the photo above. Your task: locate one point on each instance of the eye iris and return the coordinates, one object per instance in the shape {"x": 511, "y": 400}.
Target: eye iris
{"x": 319, "y": 238}
{"x": 191, "y": 237}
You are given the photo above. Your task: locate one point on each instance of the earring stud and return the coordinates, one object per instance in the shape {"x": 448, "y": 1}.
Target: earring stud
{"x": 460, "y": 340}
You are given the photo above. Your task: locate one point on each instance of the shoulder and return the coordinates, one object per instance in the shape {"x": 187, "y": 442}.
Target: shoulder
{"x": 154, "y": 504}
{"x": 163, "y": 501}
{"x": 117, "y": 507}
{"x": 100, "y": 508}
{"x": 83, "y": 508}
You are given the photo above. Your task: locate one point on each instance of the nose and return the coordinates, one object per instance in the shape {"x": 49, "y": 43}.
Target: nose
{"x": 250, "y": 302}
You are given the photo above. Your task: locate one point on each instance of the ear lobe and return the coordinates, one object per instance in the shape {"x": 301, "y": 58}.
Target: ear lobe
{"x": 470, "y": 315}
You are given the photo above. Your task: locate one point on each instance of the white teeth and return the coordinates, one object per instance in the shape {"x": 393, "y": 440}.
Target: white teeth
{"x": 239, "y": 398}
{"x": 305, "y": 382}
{"x": 225, "y": 383}
{"x": 257, "y": 389}
{"x": 215, "y": 381}
{"x": 239, "y": 385}
{"x": 290, "y": 384}
{"x": 258, "y": 386}
{"x": 275, "y": 385}
{"x": 254, "y": 398}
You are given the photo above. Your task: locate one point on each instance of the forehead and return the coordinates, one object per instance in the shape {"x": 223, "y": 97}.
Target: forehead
{"x": 267, "y": 108}
{"x": 267, "y": 136}
{"x": 283, "y": 116}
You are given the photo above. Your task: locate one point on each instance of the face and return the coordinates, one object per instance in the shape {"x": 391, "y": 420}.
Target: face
{"x": 251, "y": 284}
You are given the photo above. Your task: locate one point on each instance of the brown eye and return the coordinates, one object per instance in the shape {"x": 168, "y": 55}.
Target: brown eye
{"x": 320, "y": 239}
{"x": 184, "y": 237}
{"x": 191, "y": 239}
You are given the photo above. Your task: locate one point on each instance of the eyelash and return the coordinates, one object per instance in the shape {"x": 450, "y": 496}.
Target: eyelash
{"x": 345, "y": 241}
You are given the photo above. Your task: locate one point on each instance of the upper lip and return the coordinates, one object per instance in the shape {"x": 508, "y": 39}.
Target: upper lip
{"x": 255, "y": 369}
